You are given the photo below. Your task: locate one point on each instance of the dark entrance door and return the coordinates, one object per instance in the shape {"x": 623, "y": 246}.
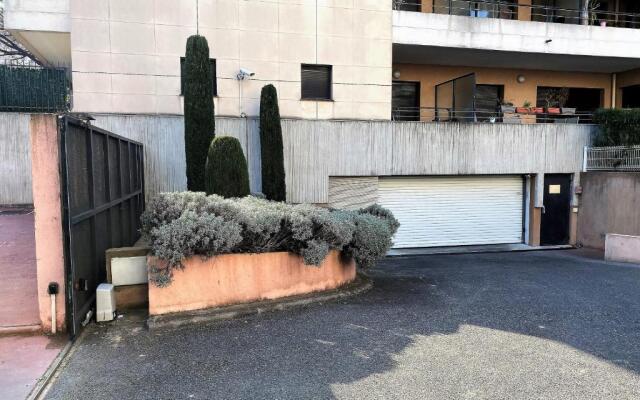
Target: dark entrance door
{"x": 557, "y": 208}
{"x": 405, "y": 103}
{"x": 488, "y": 100}
{"x": 102, "y": 199}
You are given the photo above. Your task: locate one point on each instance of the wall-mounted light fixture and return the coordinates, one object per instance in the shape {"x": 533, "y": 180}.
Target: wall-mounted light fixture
{"x": 396, "y": 74}
{"x": 521, "y": 79}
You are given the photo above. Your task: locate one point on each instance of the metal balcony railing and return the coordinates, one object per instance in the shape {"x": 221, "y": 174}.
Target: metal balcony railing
{"x": 503, "y": 9}
{"x": 535, "y": 115}
{"x": 619, "y": 158}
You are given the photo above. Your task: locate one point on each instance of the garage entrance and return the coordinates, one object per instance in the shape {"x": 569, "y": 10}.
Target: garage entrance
{"x": 455, "y": 210}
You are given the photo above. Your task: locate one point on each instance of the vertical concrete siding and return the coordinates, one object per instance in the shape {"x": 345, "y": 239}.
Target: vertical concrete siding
{"x": 316, "y": 150}
{"x": 163, "y": 140}
{"x": 15, "y": 159}
{"x": 610, "y": 204}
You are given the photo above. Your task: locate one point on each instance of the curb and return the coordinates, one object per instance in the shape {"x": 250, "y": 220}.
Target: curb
{"x": 19, "y": 329}
{"x": 45, "y": 381}
{"x": 455, "y": 252}
{"x": 361, "y": 284}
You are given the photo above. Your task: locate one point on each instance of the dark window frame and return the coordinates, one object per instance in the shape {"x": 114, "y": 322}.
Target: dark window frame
{"x": 329, "y": 87}
{"x": 214, "y": 73}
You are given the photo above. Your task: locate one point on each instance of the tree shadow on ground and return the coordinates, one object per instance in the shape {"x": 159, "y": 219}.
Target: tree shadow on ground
{"x": 586, "y": 304}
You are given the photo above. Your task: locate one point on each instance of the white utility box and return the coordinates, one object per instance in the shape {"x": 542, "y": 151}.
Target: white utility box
{"x": 105, "y": 303}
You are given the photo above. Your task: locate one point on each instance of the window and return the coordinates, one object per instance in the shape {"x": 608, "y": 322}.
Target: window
{"x": 183, "y": 73}
{"x": 316, "y": 82}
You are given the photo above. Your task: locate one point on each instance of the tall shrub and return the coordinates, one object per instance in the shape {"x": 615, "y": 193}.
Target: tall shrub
{"x": 618, "y": 127}
{"x": 273, "y": 185}
{"x": 199, "y": 123}
{"x": 226, "y": 168}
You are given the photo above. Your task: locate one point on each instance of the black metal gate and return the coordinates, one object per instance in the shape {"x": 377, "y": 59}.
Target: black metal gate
{"x": 102, "y": 199}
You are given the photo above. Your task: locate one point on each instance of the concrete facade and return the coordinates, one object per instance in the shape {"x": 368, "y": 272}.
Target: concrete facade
{"x": 456, "y": 31}
{"x": 610, "y": 204}
{"x": 42, "y": 26}
{"x": 126, "y": 55}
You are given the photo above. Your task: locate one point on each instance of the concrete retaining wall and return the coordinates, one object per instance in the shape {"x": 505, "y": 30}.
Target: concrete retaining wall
{"x": 610, "y": 204}
{"x": 623, "y": 248}
{"x": 315, "y": 150}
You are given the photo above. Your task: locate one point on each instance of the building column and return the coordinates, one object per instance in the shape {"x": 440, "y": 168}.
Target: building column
{"x": 535, "y": 208}
{"x": 45, "y": 169}
{"x": 524, "y": 10}
{"x": 575, "y": 209}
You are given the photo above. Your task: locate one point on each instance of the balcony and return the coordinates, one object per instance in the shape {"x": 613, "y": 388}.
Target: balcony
{"x": 519, "y": 28}
{"x": 43, "y": 27}
{"x": 507, "y": 115}
{"x": 620, "y": 14}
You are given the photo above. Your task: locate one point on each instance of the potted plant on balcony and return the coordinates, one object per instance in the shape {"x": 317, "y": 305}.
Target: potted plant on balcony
{"x": 594, "y": 5}
{"x": 537, "y": 110}
{"x": 525, "y": 109}
{"x": 554, "y": 99}
{"x": 507, "y": 107}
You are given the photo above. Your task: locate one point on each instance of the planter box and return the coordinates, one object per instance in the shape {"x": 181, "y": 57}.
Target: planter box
{"x": 523, "y": 110}
{"x": 507, "y": 109}
{"x": 244, "y": 278}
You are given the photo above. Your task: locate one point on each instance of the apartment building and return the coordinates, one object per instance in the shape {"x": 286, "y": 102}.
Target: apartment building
{"x": 534, "y": 53}
{"x": 126, "y": 55}
{"x": 468, "y": 119}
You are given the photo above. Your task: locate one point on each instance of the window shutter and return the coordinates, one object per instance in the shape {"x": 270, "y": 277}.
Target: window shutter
{"x": 316, "y": 82}
{"x": 213, "y": 76}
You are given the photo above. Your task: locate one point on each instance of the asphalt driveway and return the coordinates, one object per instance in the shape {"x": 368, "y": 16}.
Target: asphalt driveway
{"x": 538, "y": 325}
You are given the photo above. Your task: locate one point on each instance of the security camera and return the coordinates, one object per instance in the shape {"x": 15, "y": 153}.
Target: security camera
{"x": 245, "y": 73}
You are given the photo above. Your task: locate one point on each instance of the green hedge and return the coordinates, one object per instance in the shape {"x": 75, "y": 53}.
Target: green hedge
{"x": 618, "y": 127}
{"x": 226, "y": 169}
{"x": 273, "y": 183}
{"x": 33, "y": 89}
{"x": 199, "y": 123}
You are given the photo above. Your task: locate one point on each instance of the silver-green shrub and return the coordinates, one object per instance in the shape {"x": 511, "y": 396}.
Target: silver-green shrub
{"x": 181, "y": 225}
{"x": 190, "y": 234}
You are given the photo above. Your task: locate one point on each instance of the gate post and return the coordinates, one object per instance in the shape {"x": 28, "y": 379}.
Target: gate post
{"x": 45, "y": 167}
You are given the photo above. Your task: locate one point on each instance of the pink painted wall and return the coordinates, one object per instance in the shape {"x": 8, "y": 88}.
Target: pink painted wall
{"x": 48, "y": 218}
{"x": 242, "y": 278}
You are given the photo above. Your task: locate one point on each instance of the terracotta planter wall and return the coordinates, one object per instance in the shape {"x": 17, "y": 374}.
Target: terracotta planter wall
{"x": 242, "y": 278}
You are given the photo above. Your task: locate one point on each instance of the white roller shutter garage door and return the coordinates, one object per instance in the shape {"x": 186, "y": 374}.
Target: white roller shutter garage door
{"x": 454, "y": 211}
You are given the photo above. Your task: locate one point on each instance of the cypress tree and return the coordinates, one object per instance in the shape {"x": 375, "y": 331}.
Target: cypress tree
{"x": 273, "y": 183}
{"x": 226, "y": 171}
{"x": 199, "y": 123}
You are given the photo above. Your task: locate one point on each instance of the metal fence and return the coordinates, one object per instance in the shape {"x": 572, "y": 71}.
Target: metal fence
{"x": 618, "y": 158}
{"x": 28, "y": 87}
{"x": 505, "y": 9}
{"x": 518, "y": 115}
